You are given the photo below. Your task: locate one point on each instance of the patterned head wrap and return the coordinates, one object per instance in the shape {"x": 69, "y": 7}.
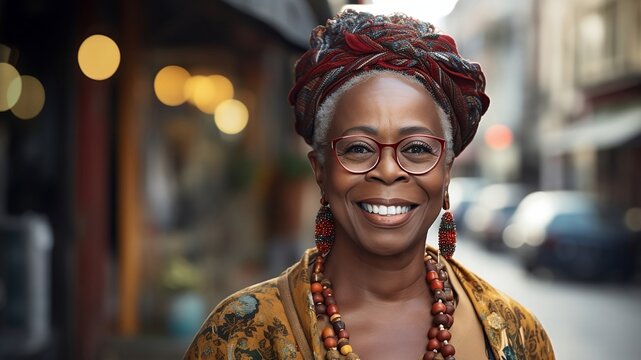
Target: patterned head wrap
{"x": 354, "y": 42}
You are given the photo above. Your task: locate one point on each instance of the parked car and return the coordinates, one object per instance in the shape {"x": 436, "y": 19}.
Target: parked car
{"x": 572, "y": 234}
{"x": 486, "y": 219}
{"x": 463, "y": 192}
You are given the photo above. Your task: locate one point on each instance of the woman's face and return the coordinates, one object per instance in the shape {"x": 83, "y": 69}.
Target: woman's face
{"x": 387, "y": 108}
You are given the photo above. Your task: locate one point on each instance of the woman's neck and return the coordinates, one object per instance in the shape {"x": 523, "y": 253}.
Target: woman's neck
{"x": 359, "y": 275}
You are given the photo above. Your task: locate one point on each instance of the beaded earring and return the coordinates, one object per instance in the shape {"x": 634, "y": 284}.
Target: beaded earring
{"x": 324, "y": 232}
{"x": 447, "y": 230}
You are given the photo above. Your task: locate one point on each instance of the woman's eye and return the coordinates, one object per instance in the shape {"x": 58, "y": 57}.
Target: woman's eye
{"x": 418, "y": 149}
{"x": 358, "y": 149}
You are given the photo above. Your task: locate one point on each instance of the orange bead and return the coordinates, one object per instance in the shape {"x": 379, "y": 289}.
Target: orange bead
{"x": 328, "y": 332}
{"x": 436, "y": 284}
{"x": 316, "y": 287}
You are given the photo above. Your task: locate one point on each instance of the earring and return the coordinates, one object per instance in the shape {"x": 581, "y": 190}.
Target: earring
{"x": 447, "y": 231}
{"x": 324, "y": 233}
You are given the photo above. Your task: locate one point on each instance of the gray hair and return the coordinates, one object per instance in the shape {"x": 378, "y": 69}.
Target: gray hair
{"x": 327, "y": 109}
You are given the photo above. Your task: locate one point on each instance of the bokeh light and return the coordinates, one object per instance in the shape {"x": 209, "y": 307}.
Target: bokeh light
{"x": 498, "y": 137}
{"x": 169, "y": 85}
{"x": 98, "y": 57}
{"x": 231, "y": 116}
{"x": 10, "y": 86}
{"x": 207, "y": 92}
{"x": 32, "y": 99}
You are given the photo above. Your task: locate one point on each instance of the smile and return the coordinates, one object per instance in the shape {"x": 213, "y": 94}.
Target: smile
{"x": 385, "y": 210}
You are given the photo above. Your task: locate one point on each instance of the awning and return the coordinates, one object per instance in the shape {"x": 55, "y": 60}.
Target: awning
{"x": 602, "y": 130}
{"x": 293, "y": 19}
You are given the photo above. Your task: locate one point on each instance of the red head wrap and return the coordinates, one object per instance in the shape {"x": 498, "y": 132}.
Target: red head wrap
{"x": 354, "y": 42}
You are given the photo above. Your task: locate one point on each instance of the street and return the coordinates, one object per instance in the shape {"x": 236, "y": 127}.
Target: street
{"x": 583, "y": 320}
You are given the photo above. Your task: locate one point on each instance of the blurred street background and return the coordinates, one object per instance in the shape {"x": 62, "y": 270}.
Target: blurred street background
{"x": 149, "y": 166}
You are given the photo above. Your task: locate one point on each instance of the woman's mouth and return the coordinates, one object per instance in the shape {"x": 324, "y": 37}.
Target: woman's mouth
{"x": 387, "y": 213}
{"x": 384, "y": 209}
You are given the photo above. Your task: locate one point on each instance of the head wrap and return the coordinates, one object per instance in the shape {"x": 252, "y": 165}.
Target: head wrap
{"x": 354, "y": 42}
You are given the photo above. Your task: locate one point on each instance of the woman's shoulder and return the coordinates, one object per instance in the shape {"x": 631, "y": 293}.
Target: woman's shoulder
{"x": 511, "y": 329}
{"x": 251, "y": 321}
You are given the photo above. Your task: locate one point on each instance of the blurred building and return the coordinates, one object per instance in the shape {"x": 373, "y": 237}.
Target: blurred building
{"x": 589, "y": 84}
{"x": 156, "y": 210}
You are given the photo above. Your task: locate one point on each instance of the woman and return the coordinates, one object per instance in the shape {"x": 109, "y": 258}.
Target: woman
{"x": 387, "y": 104}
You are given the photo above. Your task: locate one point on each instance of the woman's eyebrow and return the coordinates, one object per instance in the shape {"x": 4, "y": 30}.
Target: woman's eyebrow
{"x": 415, "y": 130}
{"x": 361, "y": 129}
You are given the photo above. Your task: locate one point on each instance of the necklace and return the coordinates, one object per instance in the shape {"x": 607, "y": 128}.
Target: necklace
{"x": 336, "y": 338}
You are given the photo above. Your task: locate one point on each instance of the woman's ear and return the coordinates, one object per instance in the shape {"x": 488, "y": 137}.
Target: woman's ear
{"x": 317, "y": 167}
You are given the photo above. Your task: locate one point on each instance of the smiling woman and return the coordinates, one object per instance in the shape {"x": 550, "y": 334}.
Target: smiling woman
{"x": 386, "y": 104}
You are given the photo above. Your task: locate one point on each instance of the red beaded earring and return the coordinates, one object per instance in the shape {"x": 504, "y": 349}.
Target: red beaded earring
{"x": 324, "y": 233}
{"x": 447, "y": 230}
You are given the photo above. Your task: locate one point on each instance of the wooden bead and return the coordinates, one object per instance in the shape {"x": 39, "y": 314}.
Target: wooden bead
{"x": 430, "y": 355}
{"x": 431, "y": 275}
{"x": 338, "y": 325}
{"x": 433, "y": 344}
{"x": 442, "y": 319}
{"x": 332, "y": 309}
{"x": 439, "y": 295}
{"x": 449, "y": 294}
{"x": 343, "y": 334}
{"x": 448, "y": 350}
{"x": 318, "y": 267}
{"x": 317, "y": 298}
{"x": 335, "y": 317}
{"x": 436, "y": 284}
{"x": 432, "y": 332}
{"x": 449, "y": 308}
{"x": 443, "y": 275}
{"x": 346, "y": 349}
{"x": 326, "y": 283}
{"x": 330, "y": 342}
{"x": 332, "y": 354}
{"x": 330, "y": 300}
{"x": 328, "y": 292}
{"x": 320, "y": 309}
{"x": 316, "y": 287}
{"x": 327, "y": 332}
{"x": 438, "y": 307}
{"x": 444, "y": 335}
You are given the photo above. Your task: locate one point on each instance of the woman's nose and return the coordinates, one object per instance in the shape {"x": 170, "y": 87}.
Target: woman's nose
{"x": 388, "y": 170}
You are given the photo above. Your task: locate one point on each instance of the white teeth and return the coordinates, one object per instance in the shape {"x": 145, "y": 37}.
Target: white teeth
{"x": 385, "y": 210}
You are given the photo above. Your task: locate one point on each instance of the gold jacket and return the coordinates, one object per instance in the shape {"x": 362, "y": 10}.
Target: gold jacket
{"x": 275, "y": 320}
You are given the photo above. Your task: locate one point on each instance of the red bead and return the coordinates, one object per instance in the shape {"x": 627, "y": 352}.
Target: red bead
{"x": 436, "y": 284}
{"x": 430, "y": 355}
{"x": 438, "y": 307}
{"x": 449, "y": 308}
{"x": 330, "y": 300}
{"x": 316, "y": 287}
{"x": 433, "y": 344}
{"x": 328, "y": 292}
{"x": 432, "y": 332}
{"x": 431, "y": 275}
{"x": 448, "y": 350}
{"x": 332, "y": 309}
{"x": 330, "y": 342}
{"x": 343, "y": 334}
{"x": 317, "y": 298}
{"x": 444, "y": 335}
{"x": 442, "y": 319}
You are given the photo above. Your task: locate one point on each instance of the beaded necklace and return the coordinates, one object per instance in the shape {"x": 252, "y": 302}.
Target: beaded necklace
{"x": 336, "y": 338}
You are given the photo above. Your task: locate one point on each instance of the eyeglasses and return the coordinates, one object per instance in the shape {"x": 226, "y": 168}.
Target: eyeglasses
{"x": 416, "y": 154}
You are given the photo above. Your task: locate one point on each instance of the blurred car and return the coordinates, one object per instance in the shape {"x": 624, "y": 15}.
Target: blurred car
{"x": 572, "y": 234}
{"x": 486, "y": 219}
{"x": 463, "y": 192}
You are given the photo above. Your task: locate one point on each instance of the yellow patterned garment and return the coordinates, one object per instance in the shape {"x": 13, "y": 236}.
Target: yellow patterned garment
{"x": 275, "y": 320}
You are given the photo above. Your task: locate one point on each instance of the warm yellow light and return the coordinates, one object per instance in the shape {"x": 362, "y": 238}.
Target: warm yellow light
{"x": 206, "y": 92}
{"x": 98, "y": 57}
{"x": 10, "y": 86}
{"x": 32, "y": 99}
{"x": 169, "y": 85}
{"x": 231, "y": 116}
